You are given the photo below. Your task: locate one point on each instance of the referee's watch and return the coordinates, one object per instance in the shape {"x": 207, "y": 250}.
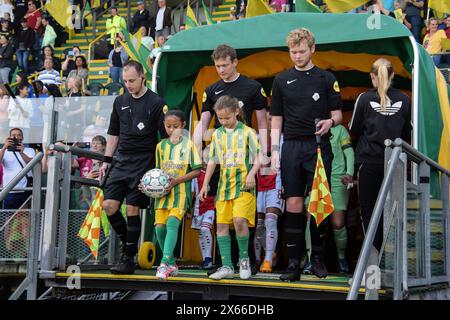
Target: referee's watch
{"x": 332, "y": 122}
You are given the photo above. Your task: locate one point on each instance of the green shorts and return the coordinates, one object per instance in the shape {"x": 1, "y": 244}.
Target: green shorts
{"x": 339, "y": 193}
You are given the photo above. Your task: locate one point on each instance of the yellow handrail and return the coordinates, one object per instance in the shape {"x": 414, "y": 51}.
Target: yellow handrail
{"x": 95, "y": 40}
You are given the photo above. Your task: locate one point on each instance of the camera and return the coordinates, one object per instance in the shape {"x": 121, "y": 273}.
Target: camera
{"x": 70, "y": 54}
{"x": 15, "y": 145}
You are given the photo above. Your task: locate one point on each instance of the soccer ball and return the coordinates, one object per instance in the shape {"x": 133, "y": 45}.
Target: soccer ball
{"x": 155, "y": 183}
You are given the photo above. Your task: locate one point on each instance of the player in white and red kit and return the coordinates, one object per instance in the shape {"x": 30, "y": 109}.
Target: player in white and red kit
{"x": 269, "y": 205}
{"x": 204, "y": 213}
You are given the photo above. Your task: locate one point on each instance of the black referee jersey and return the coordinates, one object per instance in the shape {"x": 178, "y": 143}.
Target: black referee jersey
{"x": 137, "y": 122}
{"x": 302, "y": 96}
{"x": 249, "y": 92}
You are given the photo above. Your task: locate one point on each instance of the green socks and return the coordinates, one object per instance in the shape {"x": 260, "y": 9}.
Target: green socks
{"x": 340, "y": 238}
{"x": 224, "y": 243}
{"x": 170, "y": 241}
{"x": 243, "y": 246}
{"x": 161, "y": 236}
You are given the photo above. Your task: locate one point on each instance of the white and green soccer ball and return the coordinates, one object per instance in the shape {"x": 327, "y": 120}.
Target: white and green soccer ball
{"x": 155, "y": 183}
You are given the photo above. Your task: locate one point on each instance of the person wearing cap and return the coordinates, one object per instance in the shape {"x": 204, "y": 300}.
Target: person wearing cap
{"x": 114, "y": 25}
{"x": 141, "y": 17}
{"x": 49, "y": 34}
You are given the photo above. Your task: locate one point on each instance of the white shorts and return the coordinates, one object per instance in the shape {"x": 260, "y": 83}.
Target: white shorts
{"x": 269, "y": 199}
{"x": 206, "y": 219}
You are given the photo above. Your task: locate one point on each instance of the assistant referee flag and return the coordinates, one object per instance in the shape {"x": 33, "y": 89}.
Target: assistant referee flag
{"x": 320, "y": 201}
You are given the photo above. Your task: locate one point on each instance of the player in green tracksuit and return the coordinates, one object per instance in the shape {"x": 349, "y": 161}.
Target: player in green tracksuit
{"x": 341, "y": 181}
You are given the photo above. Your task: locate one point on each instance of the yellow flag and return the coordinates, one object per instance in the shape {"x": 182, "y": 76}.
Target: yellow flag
{"x": 257, "y": 8}
{"x": 90, "y": 229}
{"x": 337, "y": 6}
{"x": 61, "y": 11}
{"x": 191, "y": 20}
{"x": 440, "y": 5}
{"x": 320, "y": 201}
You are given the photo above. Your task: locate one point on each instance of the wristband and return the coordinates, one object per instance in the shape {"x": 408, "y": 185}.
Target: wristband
{"x": 333, "y": 123}
{"x": 275, "y": 147}
{"x": 107, "y": 159}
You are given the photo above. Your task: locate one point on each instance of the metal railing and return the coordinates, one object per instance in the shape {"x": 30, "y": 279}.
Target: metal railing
{"x": 56, "y": 220}
{"x": 29, "y": 284}
{"x": 392, "y": 199}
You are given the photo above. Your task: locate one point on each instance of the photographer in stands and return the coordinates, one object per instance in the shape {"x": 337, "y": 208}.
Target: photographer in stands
{"x": 14, "y": 156}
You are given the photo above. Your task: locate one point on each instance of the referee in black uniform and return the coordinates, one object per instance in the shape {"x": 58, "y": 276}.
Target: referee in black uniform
{"x": 299, "y": 96}
{"x": 252, "y": 98}
{"x": 136, "y": 118}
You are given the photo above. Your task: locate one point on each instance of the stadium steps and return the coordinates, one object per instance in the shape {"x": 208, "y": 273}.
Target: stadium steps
{"x": 222, "y": 12}
{"x": 98, "y": 69}
{"x": 83, "y": 38}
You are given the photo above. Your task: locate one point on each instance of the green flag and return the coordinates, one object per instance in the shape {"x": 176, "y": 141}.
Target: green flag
{"x": 208, "y": 16}
{"x": 137, "y": 51}
{"x": 191, "y": 20}
{"x": 307, "y": 6}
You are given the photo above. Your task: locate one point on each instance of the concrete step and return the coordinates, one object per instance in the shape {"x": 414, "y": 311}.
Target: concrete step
{"x": 227, "y": 18}
{"x": 221, "y": 14}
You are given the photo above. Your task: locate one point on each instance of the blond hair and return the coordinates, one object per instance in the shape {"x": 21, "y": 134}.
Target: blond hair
{"x": 383, "y": 70}
{"x": 296, "y": 36}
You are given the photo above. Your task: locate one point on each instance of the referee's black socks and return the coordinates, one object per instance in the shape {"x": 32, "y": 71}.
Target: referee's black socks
{"x": 295, "y": 235}
{"x": 119, "y": 225}
{"x": 133, "y": 233}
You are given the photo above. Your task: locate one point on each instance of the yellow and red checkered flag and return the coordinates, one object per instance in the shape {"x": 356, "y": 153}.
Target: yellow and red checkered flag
{"x": 320, "y": 201}
{"x": 90, "y": 229}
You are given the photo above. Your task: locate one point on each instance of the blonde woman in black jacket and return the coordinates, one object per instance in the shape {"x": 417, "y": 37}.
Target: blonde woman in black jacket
{"x": 381, "y": 113}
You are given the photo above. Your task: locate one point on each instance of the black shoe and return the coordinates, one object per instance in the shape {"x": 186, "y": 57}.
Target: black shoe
{"x": 123, "y": 251}
{"x": 125, "y": 266}
{"x": 254, "y": 269}
{"x": 292, "y": 272}
{"x": 318, "y": 267}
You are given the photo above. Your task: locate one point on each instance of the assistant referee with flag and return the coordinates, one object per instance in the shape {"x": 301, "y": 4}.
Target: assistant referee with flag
{"x": 299, "y": 96}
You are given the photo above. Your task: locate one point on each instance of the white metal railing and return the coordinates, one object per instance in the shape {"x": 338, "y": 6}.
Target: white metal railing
{"x": 392, "y": 199}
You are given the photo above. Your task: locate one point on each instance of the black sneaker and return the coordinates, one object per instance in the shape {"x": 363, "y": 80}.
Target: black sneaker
{"x": 254, "y": 268}
{"x": 292, "y": 272}
{"x": 318, "y": 267}
{"x": 343, "y": 267}
{"x": 123, "y": 251}
{"x": 125, "y": 266}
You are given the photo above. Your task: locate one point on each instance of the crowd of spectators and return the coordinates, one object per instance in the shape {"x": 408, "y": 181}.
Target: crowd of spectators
{"x": 426, "y": 28}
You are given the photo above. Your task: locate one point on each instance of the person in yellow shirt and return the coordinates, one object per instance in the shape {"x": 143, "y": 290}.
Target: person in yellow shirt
{"x": 235, "y": 147}
{"x": 432, "y": 41}
{"x": 114, "y": 25}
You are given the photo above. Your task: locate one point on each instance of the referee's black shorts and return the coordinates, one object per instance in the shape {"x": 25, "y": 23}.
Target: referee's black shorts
{"x": 298, "y": 163}
{"x": 124, "y": 177}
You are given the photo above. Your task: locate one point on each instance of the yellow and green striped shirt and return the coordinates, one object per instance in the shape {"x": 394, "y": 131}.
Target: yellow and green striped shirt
{"x": 235, "y": 152}
{"x": 177, "y": 160}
